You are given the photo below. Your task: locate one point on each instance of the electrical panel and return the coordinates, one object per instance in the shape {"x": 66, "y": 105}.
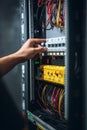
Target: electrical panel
{"x": 51, "y": 90}
{"x": 46, "y": 102}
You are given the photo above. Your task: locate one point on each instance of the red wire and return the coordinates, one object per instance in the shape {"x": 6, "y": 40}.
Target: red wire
{"x": 53, "y": 96}
{"x": 50, "y": 11}
{"x": 56, "y": 103}
{"x": 47, "y": 110}
{"x": 44, "y": 1}
{"x": 41, "y": 2}
{"x": 63, "y": 15}
{"x": 63, "y": 11}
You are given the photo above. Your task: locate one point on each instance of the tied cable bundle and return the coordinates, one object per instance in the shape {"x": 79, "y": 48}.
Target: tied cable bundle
{"x": 52, "y": 99}
{"x": 55, "y": 13}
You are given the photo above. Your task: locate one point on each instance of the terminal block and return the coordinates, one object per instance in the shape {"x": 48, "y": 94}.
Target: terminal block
{"x": 52, "y": 73}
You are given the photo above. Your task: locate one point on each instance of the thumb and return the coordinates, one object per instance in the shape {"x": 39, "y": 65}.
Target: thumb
{"x": 40, "y": 49}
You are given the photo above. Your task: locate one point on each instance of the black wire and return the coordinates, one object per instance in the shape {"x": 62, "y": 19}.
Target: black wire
{"x": 42, "y": 19}
{"x": 52, "y": 118}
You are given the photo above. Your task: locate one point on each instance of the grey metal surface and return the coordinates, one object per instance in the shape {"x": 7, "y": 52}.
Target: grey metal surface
{"x": 66, "y": 64}
{"x": 31, "y": 35}
{"x": 40, "y": 122}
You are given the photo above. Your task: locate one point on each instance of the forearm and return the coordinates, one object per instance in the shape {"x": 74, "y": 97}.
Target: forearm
{"x": 28, "y": 51}
{"x": 8, "y": 62}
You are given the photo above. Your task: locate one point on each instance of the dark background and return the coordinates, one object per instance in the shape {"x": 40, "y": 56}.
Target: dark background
{"x": 10, "y": 42}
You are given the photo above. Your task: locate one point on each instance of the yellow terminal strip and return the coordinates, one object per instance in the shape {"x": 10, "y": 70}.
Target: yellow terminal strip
{"x": 55, "y": 74}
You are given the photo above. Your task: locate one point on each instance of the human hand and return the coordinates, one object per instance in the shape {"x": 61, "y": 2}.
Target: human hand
{"x": 31, "y": 49}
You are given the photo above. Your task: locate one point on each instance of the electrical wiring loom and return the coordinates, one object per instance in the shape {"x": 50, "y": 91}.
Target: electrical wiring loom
{"x": 52, "y": 99}
{"x": 55, "y": 14}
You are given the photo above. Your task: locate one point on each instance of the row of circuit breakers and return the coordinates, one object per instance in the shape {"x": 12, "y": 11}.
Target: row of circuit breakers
{"x": 55, "y": 46}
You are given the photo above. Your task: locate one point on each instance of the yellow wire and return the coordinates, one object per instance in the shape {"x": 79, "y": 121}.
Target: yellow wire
{"x": 60, "y": 101}
{"x": 58, "y": 19}
{"x": 58, "y": 13}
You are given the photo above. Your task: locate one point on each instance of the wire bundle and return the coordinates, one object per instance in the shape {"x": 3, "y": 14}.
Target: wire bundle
{"x": 53, "y": 99}
{"x": 59, "y": 22}
{"x": 55, "y": 13}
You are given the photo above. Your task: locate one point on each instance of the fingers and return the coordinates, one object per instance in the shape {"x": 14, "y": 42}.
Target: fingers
{"x": 34, "y": 48}
{"x": 36, "y": 40}
{"x": 40, "y": 55}
{"x": 40, "y": 49}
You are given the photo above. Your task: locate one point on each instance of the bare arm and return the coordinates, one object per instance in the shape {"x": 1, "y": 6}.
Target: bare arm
{"x": 29, "y": 50}
{"x": 8, "y": 62}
